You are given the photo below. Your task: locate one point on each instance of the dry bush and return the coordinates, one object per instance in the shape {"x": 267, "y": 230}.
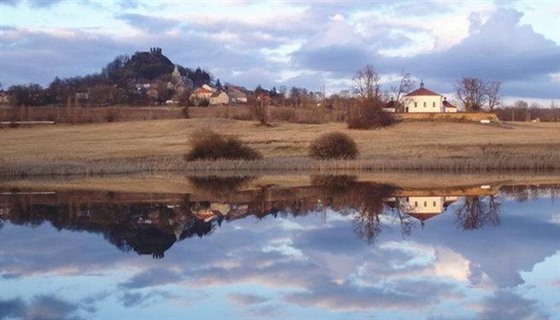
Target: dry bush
{"x": 334, "y": 145}
{"x": 369, "y": 114}
{"x": 209, "y": 145}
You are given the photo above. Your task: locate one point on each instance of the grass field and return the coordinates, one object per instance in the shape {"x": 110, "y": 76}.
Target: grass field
{"x": 161, "y": 144}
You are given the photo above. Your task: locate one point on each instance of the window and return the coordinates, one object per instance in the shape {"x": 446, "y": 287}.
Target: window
{"x": 434, "y": 204}
{"x": 425, "y": 204}
{"x": 434, "y": 104}
{"x": 424, "y": 104}
{"x": 415, "y": 104}
{"x": 416, "y": 203}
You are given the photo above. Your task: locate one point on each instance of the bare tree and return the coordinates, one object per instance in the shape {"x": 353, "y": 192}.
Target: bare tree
{"x": 406, "y": 84}
{"x": 493, "y": 94}
{"x": 477, "y": 212}
{"x": 472, "y": 93}
{"x": 366, "y": 83}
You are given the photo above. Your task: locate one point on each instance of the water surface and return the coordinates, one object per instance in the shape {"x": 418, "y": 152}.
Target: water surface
{"x": 339, "y": 248}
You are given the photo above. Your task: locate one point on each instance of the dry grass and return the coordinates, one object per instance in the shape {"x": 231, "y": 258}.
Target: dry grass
{"x": 160, "y": 144}
{"x": 182, "y": 183}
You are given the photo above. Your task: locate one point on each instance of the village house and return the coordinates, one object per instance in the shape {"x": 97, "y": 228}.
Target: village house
{"x": 219, "y": 97}
{"x": 201, "y": 94}
{"x": 236, "y": 96}
{"x": 424, "y": 100}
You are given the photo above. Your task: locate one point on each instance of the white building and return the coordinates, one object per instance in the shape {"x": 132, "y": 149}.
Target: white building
{"x": 424, "y": 100}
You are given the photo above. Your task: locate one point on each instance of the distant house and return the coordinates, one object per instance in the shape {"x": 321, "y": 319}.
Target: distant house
{"x": 201, "y": 94}
{"x": 237, "y": 96}
{"x": 424, "y": 100}
{"x": 219, "y": 97}
{"x": 448, "y": 107}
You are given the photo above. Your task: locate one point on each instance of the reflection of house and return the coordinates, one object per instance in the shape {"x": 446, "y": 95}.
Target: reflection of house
{"x": 424, "y": 208}
{"x": 424, "y": 100}
{"x": 219, "y": 97}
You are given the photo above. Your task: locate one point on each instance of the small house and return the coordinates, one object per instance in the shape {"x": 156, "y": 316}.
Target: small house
{"x": 219, "y": 97}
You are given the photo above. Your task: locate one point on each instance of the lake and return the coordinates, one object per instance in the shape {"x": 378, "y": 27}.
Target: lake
{"x": 334, "y": 248}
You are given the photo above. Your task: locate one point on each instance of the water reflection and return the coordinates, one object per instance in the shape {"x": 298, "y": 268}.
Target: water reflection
{"x": 149, "y": 224}
{"x": 282, "y": 252}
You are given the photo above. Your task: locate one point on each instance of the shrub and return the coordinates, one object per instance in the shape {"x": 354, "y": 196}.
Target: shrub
{"x": 335, "y": 145}
{"x": 369, "y": 114}
{"x": 209, "y": 145}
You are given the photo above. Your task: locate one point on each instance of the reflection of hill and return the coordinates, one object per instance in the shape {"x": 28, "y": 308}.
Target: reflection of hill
{"x": 151, "y": 223}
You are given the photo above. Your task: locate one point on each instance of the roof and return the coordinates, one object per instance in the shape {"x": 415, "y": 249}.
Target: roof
{"x": 423, "y": 216}
{"x": 423, "y": 92}
{"x": 217, "y": 94}
{"x": 448, "y": 105}
{"x": 202, "y": 91}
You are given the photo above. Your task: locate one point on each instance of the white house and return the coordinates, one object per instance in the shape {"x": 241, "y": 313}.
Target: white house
{"x": 423, "y": 100}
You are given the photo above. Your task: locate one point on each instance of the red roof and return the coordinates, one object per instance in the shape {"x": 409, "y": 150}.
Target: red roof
{"x": 448, "y": 105}
{"x": 201, "y": 91}
{"x": 423, "y": 216}
{"x": 423, "y": 92}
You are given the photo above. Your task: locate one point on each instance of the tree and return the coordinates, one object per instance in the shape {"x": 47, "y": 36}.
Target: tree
{"x": 493, "y": 94}
{"x": 366, "y": 83}
{"x": 405, "y": 86}
{"x": 472, "y": 93}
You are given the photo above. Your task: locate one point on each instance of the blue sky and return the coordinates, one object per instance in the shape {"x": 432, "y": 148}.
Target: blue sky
{"x": 293, "y": 43}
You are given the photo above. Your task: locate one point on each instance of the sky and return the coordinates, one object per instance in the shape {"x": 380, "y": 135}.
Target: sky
{"x": 310, "y": 44}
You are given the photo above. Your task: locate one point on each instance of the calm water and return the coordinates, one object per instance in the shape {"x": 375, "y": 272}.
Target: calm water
{"x": 338, "y": 249}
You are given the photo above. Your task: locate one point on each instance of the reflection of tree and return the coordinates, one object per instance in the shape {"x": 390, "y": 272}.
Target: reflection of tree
{"x": 219, "y": 185}
{"x": 477, "y": 212}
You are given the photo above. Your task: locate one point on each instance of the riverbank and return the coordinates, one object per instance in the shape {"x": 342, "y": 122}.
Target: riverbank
{"x": 159, "y": 145}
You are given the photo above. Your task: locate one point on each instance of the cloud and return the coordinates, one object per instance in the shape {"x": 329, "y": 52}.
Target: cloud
{"x": 149, "y": 23}
{"x": 499, "y": 49}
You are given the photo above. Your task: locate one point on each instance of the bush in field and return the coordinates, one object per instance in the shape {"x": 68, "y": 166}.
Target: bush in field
{"x": 369, "y": 114}
{"x": 335, "y": 145}
{"x": 209, "y": 145}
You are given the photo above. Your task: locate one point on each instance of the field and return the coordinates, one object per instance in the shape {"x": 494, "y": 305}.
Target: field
{"x": 138, "y": 146}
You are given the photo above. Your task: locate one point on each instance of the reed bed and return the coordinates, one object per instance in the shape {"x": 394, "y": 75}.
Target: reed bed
{"x": 501, "y": 163}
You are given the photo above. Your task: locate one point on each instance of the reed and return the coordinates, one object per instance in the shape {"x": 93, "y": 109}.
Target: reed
{"x": 498, "y": 163}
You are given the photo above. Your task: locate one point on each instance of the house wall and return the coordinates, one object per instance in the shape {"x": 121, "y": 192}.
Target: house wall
{"x": 220, "y": 99}
{"x": 424, "y": 104}
{"x": 425, "y": 204}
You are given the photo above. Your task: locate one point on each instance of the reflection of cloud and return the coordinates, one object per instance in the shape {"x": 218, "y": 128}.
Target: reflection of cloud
{"x": 40, "y": 307}
{"x": 507, "y": 305}
{"x": 134, "y": 299}
{"x": 397, "y": 296}
{"x": 153, "y": 277}
{"x": 247, "y": 299}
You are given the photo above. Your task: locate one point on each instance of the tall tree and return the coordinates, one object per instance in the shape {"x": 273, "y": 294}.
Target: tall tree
{"x": 366, "y": 83}
{"x": 471, "y": 92}
{"x": 406, "y": 84}
{"x": 493, "y": 94}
